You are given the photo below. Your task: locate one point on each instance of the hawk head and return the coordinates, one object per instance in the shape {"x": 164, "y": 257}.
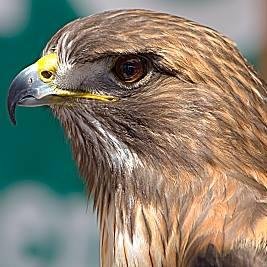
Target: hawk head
{"x": 168, "y": 125}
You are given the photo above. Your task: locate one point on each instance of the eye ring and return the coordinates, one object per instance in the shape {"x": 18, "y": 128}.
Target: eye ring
{"x": 130, "y": 69}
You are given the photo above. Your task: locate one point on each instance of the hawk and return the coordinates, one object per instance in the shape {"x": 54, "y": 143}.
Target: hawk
{"x": 167, "y": 123}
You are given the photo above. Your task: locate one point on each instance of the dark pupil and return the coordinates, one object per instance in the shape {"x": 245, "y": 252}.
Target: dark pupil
{"x": 130, "y": 69}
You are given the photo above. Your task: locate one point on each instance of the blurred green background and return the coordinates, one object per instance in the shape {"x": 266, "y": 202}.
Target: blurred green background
{"x": 44, "y": 216}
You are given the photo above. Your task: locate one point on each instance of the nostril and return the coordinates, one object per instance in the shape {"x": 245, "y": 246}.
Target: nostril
{"x": 46, "y": 74}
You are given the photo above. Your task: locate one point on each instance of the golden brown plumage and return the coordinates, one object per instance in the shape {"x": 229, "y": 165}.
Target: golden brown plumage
{"x": 176, "y": 160}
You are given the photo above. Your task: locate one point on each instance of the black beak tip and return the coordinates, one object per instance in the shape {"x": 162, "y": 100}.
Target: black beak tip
{"x": 13, "y": 118}
{"x": 18, "y": 89}
{"x": 11, "y": 105}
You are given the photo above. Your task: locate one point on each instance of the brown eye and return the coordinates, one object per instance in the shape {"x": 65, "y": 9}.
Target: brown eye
{"x": 130, "y": 69}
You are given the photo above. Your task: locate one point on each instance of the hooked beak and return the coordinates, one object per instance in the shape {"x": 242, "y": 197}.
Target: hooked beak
{"x": 28, "y": 90}
{"x": 34, "y": 87}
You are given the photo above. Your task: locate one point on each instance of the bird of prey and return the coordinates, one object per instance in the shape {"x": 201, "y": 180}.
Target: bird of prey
{"x": 167, "y": 123}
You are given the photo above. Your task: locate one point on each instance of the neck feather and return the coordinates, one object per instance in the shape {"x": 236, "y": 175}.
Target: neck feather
{"x": 167, "y": 215}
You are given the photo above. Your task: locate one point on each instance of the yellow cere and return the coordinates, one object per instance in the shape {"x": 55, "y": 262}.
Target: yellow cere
{"x": 47, "y": 67}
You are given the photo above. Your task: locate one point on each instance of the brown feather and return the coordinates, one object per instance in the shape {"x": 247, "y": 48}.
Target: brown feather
{"x": 177, "y": 167}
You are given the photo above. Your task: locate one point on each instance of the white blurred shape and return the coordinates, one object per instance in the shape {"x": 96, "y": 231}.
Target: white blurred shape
{"x": 238, "y": 19}
{"x": 31, "y": 216}
{"x": 14, "y": 15}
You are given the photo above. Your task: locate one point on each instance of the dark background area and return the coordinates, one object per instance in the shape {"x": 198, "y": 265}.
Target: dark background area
{"x": 36, "y": 149}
